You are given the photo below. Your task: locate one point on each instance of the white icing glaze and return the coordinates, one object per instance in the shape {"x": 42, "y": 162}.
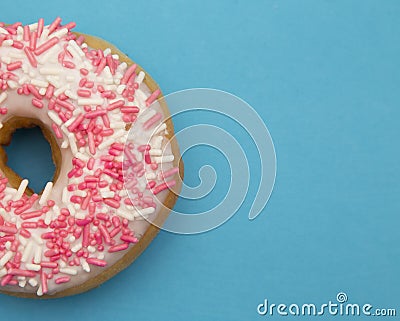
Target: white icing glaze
{"x": 66, "y": 81}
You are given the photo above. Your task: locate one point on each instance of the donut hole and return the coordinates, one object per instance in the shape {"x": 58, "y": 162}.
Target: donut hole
{"x": 28, "y": 150}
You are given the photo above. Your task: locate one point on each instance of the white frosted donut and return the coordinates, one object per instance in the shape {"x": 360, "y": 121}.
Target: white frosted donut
{"x": 67, "y": 239}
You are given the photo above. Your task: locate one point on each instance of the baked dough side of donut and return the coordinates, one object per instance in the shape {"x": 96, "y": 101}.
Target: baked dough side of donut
{"x": 163, "y": 212}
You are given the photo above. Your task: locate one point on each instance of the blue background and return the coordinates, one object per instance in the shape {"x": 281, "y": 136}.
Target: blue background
{"x": 324, "y": 76}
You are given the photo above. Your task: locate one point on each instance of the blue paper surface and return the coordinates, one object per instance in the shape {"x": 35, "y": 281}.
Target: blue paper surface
{"x": 324, "y": 77}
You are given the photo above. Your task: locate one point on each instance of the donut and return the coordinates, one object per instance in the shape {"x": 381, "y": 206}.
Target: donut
{"x": 118, "y": 169}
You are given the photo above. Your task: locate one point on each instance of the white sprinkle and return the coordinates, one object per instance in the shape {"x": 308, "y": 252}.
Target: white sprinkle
{"x": 156, "y": 142}
{"x": 71, "y": 209}
{"x": 61, "y": 90}
{"x": 21, "y": 189}
{"x": 46, "y": 192}
{"x": 39, "y": 83}
{"x": 164, "y": 159}
{"x": 106, "y": 194}
{"x": 6, "y": 257}
{"x": 151, "y": 175}
{"x": 54, "y": 81}
{"x": 160, "y": 128}
{"x": 64, "y": 196}
{"x": 129, "y": 216}
{"x": 50, "y": 71}
{"x": 82, "y": 157}
{"x": 71, "y": 95}
{"x": 47, "y": 217}
{"x": 76, "y": 47}
{"x": 2, "y": 30}
{"x": 146, "y": 115}
{"x": 59, "y": 33}
{"x": 72, "y": 143}
{"x": 69, "y": 271}
{"x": 155, "y": 152}
{"x": 54, "y": 117}
{"x": 39, "y": 291}
{"x": 90, "y": 101}
{"x": 32, "y": 267}
{"x": 91, "y": 249}
{"x": 76, "y": 247}
{"x": 64, "y": 144}
{"x": 140, "y": 77}
{"x": 3, "y": 272}
{"x": 45, "y": 34}
{"x": 27, "y": 252}
{"x": 37, "y": 258}
{"x": 117, "y": 124}
{"x": 8, "y": 43}
{"x": 12, "y": 84}
{"x": 120, "y": 89}
{"x": 85, "y": 266}
{"x": 32, "y": 282}
{"x": 3, "y": 97}
{"x": 22, "y": 240}
{"x": 37, "y": 238}
{"x": 21, "y": 282}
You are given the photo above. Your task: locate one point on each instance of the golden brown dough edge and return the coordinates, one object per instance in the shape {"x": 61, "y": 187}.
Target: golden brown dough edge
{"x": 151, "y": 232}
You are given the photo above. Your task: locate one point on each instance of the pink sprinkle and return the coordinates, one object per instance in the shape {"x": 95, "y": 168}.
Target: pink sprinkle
{"x": 37, "y": 103}
{"x": 25, "y": 233}
{"x": 46, "y": 46}
{"x": 152, "y": 97}
{"x": 63, "y": 279}
{"x": 31, "y": 57}
{"x": 76, "y": 122}
{"x": 95, "y": 261}
{"x": 32, "y": 89}
{"x": 130, "y": 109}
{"x": 70, "y": 25}
{"x": 43, "y": 277}
{"x": 54, "y": 25}
{"x": 40, "y": 26}
{"x": 49, "y": 91}
{"x": 112, "y": 202}
{"x": 57, "y": 131}
{"x": 6, "y": 280}
{"x": 116, "y": 104}
{"x": 92, "y": 146}
{"x": 18, "y": 272}
{"x": 117, "y": 248}
{"x": 29, "y": 215}
{"x": 128, "y": 74}
{"x": 94, "y": 114}
{"x": 152, "y": 121}
{"x": 33, "y": 41}
{"x": 14, "y": 65}
{"x": 170, "y": 172}
{"x": 49, "y": 265}
{"x": 104, "y": 232}
{"x": 90, "y": 163}
{"x": 84, "y": 71}
{"x": 8, "y": 229}
{"x": 129, "y": 239}
{"x": 68, "y": 64}
{"x": 163, "y": 186}
{"x": 27, "y": 33}
{"x": 84, "y": 93}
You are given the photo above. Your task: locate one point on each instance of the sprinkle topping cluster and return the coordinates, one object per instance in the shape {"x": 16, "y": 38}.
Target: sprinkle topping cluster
{"x": 88, "y": 98}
